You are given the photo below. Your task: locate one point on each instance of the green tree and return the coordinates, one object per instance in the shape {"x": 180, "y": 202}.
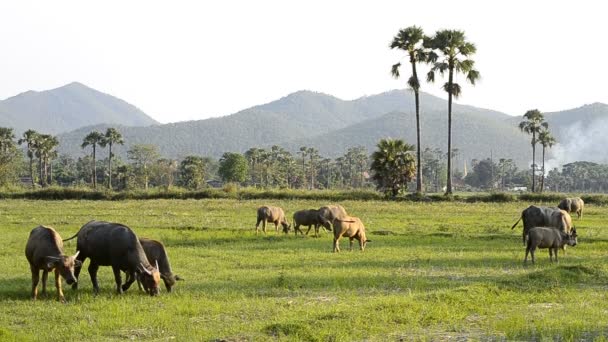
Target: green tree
{"x": 10, "y": 157}
{"x": 93, "y": 139}
{"x": 533, "y": 123}
{"x": 192, "y": 172}
{"x": 483, "y": 175}
{"x": 393, "y": 166}
{"x": 111, "y": 137}
{"x": 142, "y": 157}
{"x": 29, "y": 138}
{"x": 410, "y": 40}
{"x": 45, "y": 146}
{"x": 450, "y": 53}
{"x": 547, "y": 141}
{"x": 233, "y": 167}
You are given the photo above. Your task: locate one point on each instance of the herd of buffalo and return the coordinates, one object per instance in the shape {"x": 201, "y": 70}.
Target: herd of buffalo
{"x": 146, "y": 261}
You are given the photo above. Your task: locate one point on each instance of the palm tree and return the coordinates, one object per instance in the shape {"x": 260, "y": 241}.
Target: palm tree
{"x": 409, "y": 40}
{"x": 546, "y": 140}
{"x": 111, "y": 137}
{"x": 313, "y": 153}
{"x": 454, "y": 52}
{"x": 533, "y": 123}
{"x": 393, "y": 165}
{"x": 29, "y": 138}
{"x": 45, "y": 149}
{"x": 93, "y": 139}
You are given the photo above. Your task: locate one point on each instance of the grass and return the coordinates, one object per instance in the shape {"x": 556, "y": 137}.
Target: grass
{"x": 433, "y": 271}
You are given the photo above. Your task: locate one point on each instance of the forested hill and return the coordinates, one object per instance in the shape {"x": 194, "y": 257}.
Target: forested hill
{"x": 67, "y": 108}
{"x": 332, "y": 125}
{"x": 303, "y": 114}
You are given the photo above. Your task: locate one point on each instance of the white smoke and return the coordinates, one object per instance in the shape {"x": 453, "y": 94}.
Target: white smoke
{"x": 580, "y": 143}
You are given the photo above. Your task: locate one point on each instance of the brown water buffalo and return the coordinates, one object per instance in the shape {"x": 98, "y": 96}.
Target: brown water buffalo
{"x": 44, "y": 251}
{"x": 548, "y": 237}
{"x": 351, "y": 227}
{"x": 328, "y": 213}
{"x": 116, "y": 245}
{"x": 156, "y": 253}
{"x": 534, "y": 216}
{"x": 273, "y": 215}
{"x": 309, "y": 218}
{"x": 573, "y": 205}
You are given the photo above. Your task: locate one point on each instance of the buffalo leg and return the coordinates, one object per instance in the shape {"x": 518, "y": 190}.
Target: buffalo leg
{"x": 527, "y": 252}
{"x": 131, "y": 276}
{"x": 93, "y": 267}
{"x": 257, "y": 225}
{"x": 350, "y": 248}
{"x": 58, "y": 286}
{"x": 296, "y": 227}
{"x": 118, "y": 279}
{"x": 276, "y": 226}
{"x": 309, "y": 226}
{"x": 336, "y": 245}
{"x": 35, "y": 280}
{"x": 532, "y": 250}
{"x": 45, "y": 276}
{"x": 555, "y": 253}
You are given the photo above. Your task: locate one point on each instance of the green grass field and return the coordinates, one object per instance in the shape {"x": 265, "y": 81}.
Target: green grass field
{"x": 433, "y": 271}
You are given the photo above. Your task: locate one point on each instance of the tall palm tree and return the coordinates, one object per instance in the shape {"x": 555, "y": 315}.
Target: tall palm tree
{"x": 547, "y": 141}
{"x": 313, "y": 153}
{"x": 450, "y": 53}
{"x": 393, "y": 165}
{"x": 29, "y": 138}
{"x": 409, "y": 40}
{"x": 111, "y": 137}
{"x": 45, "y": 150}
{"x": 93, "y": 139}
{"x": 533, "y": 123}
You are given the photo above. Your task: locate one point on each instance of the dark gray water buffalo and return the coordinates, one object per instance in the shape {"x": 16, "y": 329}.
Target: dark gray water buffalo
{"x": 351, "y": 227}
{"x": 534, "y": 216}
{"x": 573, "y": 205}
{"x": 156, "y": 253}
{"x": 309, "y": 218}
{"x": 44, "y": 251}
{"x": 274, "y": 215}
{"x": 548, "y": 237}
{"x": 328, "y": 213}
{"x": 116, "y": 245}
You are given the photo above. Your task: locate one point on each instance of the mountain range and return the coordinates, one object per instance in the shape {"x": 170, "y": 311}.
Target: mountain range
{"x": 68, "y": 108}
{"x": 304, "y": 118}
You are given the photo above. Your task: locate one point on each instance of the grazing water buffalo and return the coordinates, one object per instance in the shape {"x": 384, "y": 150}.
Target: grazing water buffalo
{"x": 309, "y": 218}
{"x": 274, "y": 215}
{"x": 573, "y": 205}
{"x": 44, "y": 251}
{"x": 116, "y": 245}
{"x": 328, "y": 213}
{"x": 548, "y": 237}
{"x": 534, "y": 216}
{"x": 156, "y": 253}
{"x": 351, "y": 227}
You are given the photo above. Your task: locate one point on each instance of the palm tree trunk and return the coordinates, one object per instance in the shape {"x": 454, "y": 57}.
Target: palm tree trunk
{"x": 542, "y": 180}
{"x": 94, "y": 169}
{"x": 110, "y": 167}
{"x": 40, "y": 171}
{"x": 449, "y": 180}
{"x": 533, "y": 161}
{"x": 418, "y": 147}
{"x": 32, "y": 170}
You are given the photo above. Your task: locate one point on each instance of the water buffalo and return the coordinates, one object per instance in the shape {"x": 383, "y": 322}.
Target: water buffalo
{"x": 156, "y": 253}
{"x": 44, "y": 251}
{"x": 548, "y": 237}
{"x": 274, "y": 215}
{"x": 351, "y": 227}
{"x": 116, "y": 245}
{"x": 309, "y": 218}
{"x": 573, "y": 205}
{"x": 328, "y": 213}
{"x": 534, "y": 216}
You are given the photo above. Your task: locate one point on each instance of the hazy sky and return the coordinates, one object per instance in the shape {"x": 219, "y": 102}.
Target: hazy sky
{"x": 185, "y": 60}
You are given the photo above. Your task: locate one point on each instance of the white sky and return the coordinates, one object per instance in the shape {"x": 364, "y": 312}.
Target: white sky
{"x": 186, "y": 60}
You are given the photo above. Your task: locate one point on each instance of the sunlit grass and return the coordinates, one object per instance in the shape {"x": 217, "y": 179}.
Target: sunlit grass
{"x": 433, "y": 271}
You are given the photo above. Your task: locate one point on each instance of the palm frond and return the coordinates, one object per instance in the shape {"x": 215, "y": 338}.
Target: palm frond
{"x": 430, "y": 76}
{"x": 473, "y": 76}
{"x": 395, "y": 70}
{"x": 414, "y": 83}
